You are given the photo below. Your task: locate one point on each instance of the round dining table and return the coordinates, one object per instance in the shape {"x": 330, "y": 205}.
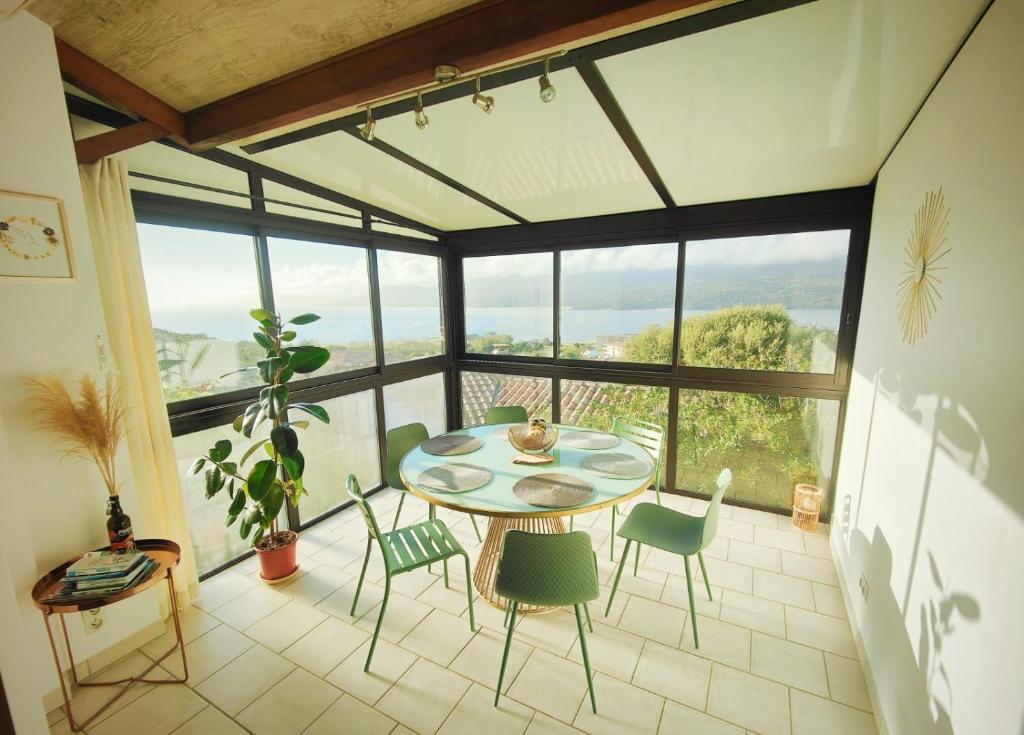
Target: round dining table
{"x": 497, "y": 500}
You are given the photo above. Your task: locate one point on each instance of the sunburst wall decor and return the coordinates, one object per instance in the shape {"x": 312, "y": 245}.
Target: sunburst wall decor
{"x": 919, "y": 290}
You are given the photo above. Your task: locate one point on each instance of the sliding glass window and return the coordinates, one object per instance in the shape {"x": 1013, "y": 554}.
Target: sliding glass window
{"x": 508, "y": 304}
{"x": 410, "y": 305}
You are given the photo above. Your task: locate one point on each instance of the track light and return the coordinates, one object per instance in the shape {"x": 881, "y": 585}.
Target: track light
{"x": 483, "y": 101}
{"x": 547, "y": 89}
{"x": 421, "y": 117}
{"x": 368, "y": 126}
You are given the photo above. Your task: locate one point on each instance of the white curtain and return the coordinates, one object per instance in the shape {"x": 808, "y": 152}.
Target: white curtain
{"x": 119, "y": 270}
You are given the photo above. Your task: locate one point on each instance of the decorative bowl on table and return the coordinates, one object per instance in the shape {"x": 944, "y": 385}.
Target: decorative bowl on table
{"x": 535, "y": 437}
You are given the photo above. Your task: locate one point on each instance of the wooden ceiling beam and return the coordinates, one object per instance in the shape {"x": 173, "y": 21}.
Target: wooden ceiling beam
{"x": 482, "y": 35}
{"x": 96, "y": 79}
{"x": 89, "y": 150}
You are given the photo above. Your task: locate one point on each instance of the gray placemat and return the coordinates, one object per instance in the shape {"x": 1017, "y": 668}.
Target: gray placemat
{"x": 454, "y": 477}
{"x": 553, "y": 490}
{"x": 590, "y": 440}
{"x": 616, "y": 464}
{"x": 448, "y": 444}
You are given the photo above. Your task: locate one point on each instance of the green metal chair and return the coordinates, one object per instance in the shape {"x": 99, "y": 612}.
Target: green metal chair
{"x": 551, "y": 570}
{"x": 400, "y": 441}
{"x": 676, "y": 533}
{"x": 506, "y": 415}
{"x": 652, "y": 438}
{"x": 404, "y": 550}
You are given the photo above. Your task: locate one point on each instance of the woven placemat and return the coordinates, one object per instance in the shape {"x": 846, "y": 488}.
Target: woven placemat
{"x": 590, "y": 440}
{"x": 454, "y": 477}
{"x": 448, "y": 444}
{"x": 616, "y": 464}
{"x": 553, "y": 490}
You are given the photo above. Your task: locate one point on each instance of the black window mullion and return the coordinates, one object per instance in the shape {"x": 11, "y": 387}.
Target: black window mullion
{"x": 678, "y": 304}
{"x": 377, "y": 323}
{"x": 671, "y": 432}
{"x": 556, "y": 304}
{"x": 556, "y": 400}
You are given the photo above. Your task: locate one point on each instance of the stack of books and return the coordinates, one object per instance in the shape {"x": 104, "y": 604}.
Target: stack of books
{"x": 101, "y": 574}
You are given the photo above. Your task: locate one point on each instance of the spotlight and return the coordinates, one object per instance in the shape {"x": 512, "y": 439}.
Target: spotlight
{"x": 483, "y": 101}
{"x": 547, "y": 89}
{"x": 368, "y": 126}
{"x": 421, "y": 117}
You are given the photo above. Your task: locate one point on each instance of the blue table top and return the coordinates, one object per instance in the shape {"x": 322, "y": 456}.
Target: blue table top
{"x": 496, "y": 497}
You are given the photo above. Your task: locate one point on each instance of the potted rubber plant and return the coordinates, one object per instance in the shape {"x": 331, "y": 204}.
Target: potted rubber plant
{"x": 268, "y": 472}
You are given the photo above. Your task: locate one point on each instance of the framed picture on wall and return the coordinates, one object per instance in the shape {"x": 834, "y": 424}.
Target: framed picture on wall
{"x": 34, "y": 242}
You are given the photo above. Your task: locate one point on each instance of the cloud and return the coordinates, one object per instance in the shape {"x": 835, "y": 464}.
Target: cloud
{"x": 769, "y": 249}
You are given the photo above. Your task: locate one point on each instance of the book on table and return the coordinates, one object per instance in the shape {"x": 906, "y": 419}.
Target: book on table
{"x": 108, "y": 574}
{"x": 104, "y": 562}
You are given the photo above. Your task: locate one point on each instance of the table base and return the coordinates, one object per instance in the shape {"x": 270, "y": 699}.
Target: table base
{"x": 487, "y": 563}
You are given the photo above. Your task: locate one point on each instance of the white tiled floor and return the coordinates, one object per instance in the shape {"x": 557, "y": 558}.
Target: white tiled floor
{"x": 776, "y": 653}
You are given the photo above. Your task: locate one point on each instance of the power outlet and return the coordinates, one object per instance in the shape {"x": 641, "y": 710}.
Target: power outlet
{"x": 93, "y": 620}
{"x": 864, "y": 587}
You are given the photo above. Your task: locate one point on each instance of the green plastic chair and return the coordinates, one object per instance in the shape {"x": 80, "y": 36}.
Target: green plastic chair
{"x": 676, "y": 533}
{"x": 506, "y": 415}
{"x": 652, "y": 438}
{"x": 404, "y": 550}
{"x": 547, "y": 569}
{"x": 400, "y": 441}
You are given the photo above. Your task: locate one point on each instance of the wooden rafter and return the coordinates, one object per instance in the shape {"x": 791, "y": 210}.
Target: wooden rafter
{"x": 96, "y": 147}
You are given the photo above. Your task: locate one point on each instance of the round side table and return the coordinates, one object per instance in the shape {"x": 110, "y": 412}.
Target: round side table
{"x": 166, "y": 554}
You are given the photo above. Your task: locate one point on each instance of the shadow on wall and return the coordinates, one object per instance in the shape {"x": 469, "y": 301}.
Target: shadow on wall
{"x": 925, "y": 703}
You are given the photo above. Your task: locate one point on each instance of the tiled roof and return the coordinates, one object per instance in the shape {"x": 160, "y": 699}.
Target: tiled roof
{"x": 480, "y": 391}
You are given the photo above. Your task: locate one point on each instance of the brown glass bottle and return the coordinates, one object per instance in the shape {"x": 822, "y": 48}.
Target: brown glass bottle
{"x": 119, "y": 526}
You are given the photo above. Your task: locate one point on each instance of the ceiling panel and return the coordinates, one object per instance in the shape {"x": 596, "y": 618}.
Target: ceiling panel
{"x": 542, "y": 161}
{"x": 808, "y": 98}
{"x": 348, "y": 165}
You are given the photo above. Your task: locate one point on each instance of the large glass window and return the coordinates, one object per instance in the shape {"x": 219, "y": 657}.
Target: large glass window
{"x": 416, "y": 401}
{"x": 346, "y": 445}
{"x": 480, "y": 391}
{"x": 332, "y": 281}
{"x": 771, "y": 302}
{"x": 508, "y": 304}
{"x": 201, "y": 286}
{"x": 410, "y": 299}
{"x": 769, "y": 442}
{"x": 618, "y": 303}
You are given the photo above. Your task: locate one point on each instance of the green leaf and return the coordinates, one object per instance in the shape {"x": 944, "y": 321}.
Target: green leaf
{"x": 288, "y": 336}
{"x": 303, "y": 319}
{"x": 264, "y": 341}
{"x": 197, "y": 465}
{"x": 238, "y": 423}
{"x": 235, "y": 508}
{"x": 261, "y": 315}
{"x": 294, "y": 465}
{"x": 260, "y": 533}
{"x": 228, "y": 468}
{"x": 250, "y": 450}
{"x": 285, "y": 440}
{"x": 220, "y": 450}
{"x": 245, "y": 527}
{"x": 249, "y": 419}
{"x": 299, "y": 424}
{"x": 308, "y": 359}
{"x": 251, "y": 518}
{"x": 273, "y": 502}
{"x": 214, "y": 481}
{"x": 313, "y": 410}
{"x": 261, "y": 478}
{"x": 268, "y": 368}
{"x": 277, "y": 400}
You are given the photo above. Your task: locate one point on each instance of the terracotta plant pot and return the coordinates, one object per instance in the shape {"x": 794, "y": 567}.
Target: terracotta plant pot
{"x": 277, "y": 561}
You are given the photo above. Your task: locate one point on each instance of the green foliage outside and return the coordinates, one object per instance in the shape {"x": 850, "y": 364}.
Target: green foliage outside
{"x": 495, "y": 343}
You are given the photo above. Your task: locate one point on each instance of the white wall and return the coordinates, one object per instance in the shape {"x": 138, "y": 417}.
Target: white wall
{"x": 51, "y": 509}
{"x": 930, "y": 500}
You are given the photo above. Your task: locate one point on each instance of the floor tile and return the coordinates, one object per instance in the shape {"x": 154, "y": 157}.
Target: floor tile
{"x": 348, "y": 714}
{"x": 817, "y": 546}
{"x": 676, "y": 594}
{"x": 339, "y": 602}
{"x": 779, "y": 539}
{"x": 544, "y": 725}
{"x": 209, "y": 652}
{"x": 735, "y": 530}
{"x": 780, "y": 588}
{"x": 86, "y": 701}
{"x": 401, "y": 615}
{"x": 222, "y": 588}
{"x": 754, "y": 555}
{"x": 676, "y": 719}
{"x": 674, "y": 674}
{"x": 750, "y": 701}
{"x": 723, "y": 573}
{"x": 245, "y": 679}
{"x": 613, "y": 651}
{"x": 439, "y": 637}
{"x": 719, "y": 641}
{"x": 820, "y": 631}
{"x": 621, "y": 708}
{"x": 316, "y": 585}
{"x": 285, "y": 625}
{"x": 810, "y": 568}
{"x": 550, "y": 684}
{"x": 756, "y": 517}
{"x": 210, "y": 721}
{"x": 598, "y": 606}
{"x": 326, "y": 646}
{"x": 389, "y": 663}
{"x": 476, "y": 713}
{"x": 647, "y": 583}
{"x": 481, "y": 658}
{"x": 251, "y": 606}
{"x": 816, "y": 716}
{"x": 290, "y": 706}
{"x": 343, "y": 552}
{"x": 829, "y": 600}
{"x": 554, "y": 631}
{"x": 654, "y": 620}
{"x": 846, "y": 682}
{"x": 752, "y": 612}
{"x": 194, "y": 622}
{"x": 788, "y": 663}
{"x": 158, "y": 712}
{"x": 450, "y": 599}
{"x": 423, "y": 697}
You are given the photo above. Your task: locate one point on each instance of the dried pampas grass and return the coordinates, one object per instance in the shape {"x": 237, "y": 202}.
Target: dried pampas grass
{"x": 90, "y": 426}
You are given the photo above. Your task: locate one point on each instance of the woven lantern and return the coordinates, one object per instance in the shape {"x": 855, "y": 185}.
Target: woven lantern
{"x": 807, "y": 501}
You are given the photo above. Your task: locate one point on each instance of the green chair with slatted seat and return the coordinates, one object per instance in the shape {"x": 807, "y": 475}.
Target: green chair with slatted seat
{"x": 506, "y": 415}
{"x": 404, "y": 550}
{"x": 400, "y": 441}
{"x": 652, "y": 438}
{"x": 553, "y": 570}
{"x": 676, "y": 533}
